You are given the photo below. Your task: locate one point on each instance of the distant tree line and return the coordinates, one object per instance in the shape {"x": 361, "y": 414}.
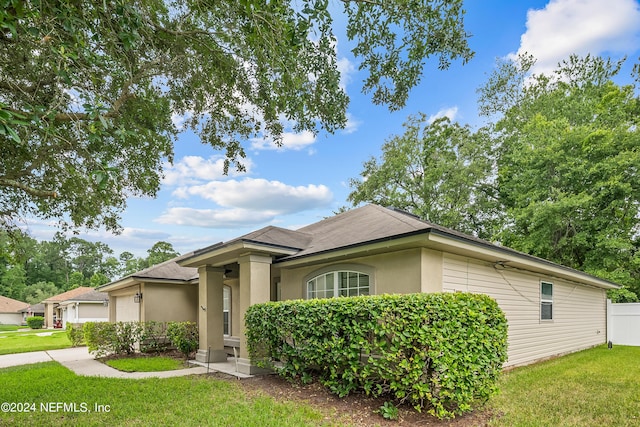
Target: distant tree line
{"x": 32, "y": 270}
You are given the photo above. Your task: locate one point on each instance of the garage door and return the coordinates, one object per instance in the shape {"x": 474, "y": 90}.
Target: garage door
{"x": 127, "y": 309}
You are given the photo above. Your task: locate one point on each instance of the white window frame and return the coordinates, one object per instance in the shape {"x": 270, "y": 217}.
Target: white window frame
{"x": 545, "y": 301}
{"x": 226, "y": 309}
{"x": 336, "y": 290}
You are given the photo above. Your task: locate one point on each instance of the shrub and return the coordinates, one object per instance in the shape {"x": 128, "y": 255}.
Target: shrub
{"x": 35, "y": 322}
{"x": 443, "y": 352}
{"x": 75, "y": 334}
{"x": 183, "y": 336}
{"x": 153, "y": 337}
{"x": 105, "y": 338}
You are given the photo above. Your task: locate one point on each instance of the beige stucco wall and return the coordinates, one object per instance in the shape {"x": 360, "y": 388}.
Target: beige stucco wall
{"x": 400, "y": 272}
{"x": 168, "y": 303}
{"x": 579, "y": 312}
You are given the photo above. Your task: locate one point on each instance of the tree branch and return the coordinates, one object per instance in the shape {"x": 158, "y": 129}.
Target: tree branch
{"x": 4, "y": 182}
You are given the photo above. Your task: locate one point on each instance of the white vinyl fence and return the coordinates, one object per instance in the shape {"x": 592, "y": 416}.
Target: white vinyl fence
{"x": 623, "y": 323}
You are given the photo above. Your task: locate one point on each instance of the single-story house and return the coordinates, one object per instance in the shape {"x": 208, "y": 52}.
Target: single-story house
{"x": 32, "y": 310}
{"x": 163, "y": 292}
{"x": 52, "y": 310}
{"x": 10, "y": 311}
{"x": 551, "y": 309}
{"x": 89, "y": 306}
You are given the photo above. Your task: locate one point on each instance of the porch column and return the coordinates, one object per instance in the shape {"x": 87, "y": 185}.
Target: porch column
{"x": 210, "y": 319}
{"x": 255, "y": 287}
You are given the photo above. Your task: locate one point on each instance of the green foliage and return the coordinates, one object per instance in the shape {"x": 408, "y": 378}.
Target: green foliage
{"x": 107, "y": 338}
{"x": 35, "y": 322}
{"x": 184, "y": 336}
{"x": 622, "y": 295}
{"x": 153, "y": 337}
{"x": 443, "y": 352}
{"x": 89, "y": 88}
{"x": 439, "y": 171}
{"x": 569, "y": 146}
{"x": 123, "y": 338}
{"x": 388, "y": 411}
{"x": 75, "y": 334}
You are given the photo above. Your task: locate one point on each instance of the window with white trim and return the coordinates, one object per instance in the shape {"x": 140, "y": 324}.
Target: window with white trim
{"x": 546, "y": 301}
{"x": 226, "y": 310}
{"x": 338, "y": 283}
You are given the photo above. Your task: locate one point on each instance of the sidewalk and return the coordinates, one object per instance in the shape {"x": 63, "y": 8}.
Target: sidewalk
{"x": 80, "y": 361}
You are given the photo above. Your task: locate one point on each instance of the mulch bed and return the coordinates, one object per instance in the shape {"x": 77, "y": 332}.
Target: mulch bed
{"x": 356, "y": 409}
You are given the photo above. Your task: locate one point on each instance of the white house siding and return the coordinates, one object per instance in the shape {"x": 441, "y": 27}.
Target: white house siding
{"x": 10, "y": 318}
{"x": 579, "y": 312}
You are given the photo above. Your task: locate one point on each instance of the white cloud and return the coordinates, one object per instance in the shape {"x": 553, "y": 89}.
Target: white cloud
{"x": 179, "y": 120}
{"x": 244, "y": 203}
{"x": 290, "y": 141}
{"x": 451, "y": 113}
{"x": 261, "y": 195}
{"x": 196, "y": 169}
{"x": 352, "y": 125}
{"x": 581, "y": 27}
{"x": 215, "y": 218}
{"x": 346, "y": 69}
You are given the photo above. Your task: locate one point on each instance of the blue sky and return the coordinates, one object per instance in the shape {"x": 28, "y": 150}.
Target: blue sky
{"x": 307, "y": 179}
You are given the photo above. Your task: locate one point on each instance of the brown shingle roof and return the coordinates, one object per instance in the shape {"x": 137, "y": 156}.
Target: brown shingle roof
{"x": 92, "y": 295}
{"x": 9, "y": 305}
{"x": 69, "y": 294}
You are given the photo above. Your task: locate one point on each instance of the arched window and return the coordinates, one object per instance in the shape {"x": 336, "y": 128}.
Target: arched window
{"x": 338, "y": 284}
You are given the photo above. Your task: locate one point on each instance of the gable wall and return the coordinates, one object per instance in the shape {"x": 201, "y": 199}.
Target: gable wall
{"x": 394, "y": 272}
{"x": 579, "y": 312}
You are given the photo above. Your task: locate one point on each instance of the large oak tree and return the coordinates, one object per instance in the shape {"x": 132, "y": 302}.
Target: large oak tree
{"x": 88, "y": 88}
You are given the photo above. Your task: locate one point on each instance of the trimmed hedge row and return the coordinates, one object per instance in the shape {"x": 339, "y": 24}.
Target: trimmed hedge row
{"x": 106, "y": 338}
{"x": 442, "y": 352}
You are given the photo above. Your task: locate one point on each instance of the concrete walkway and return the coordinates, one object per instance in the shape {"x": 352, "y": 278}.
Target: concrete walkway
{"x": 80, "y": 361}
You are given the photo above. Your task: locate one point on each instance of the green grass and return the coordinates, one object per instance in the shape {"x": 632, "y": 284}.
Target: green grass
{"x": 22, "y": 342}
{"x": 9, "y": 328}
{"x": 596, "y": 387}
{"x": 185, "y": 401}
{"x": 146, "y": 364}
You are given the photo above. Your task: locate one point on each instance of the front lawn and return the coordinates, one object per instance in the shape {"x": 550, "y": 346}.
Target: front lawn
{"x": 146, "y": 364}
{"x": 4, "y": 328}
{"x": 183, "y": 401}
{"x": 596, "y": 387}
{"x": 34, "y": 340}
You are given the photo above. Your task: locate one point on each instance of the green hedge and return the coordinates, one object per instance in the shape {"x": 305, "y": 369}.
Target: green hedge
{"x": 35, "y": 322}
{"x": 442, "y": 352}
{"x": 75, "y": 334}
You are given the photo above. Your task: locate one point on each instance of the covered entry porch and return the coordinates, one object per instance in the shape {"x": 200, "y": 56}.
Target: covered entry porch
{"x": 231, "y": 278}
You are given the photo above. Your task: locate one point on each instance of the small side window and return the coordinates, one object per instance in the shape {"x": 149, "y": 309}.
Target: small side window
{"x": 546, "y": 301}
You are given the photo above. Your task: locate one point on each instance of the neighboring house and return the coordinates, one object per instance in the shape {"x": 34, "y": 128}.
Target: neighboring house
{"x": 52, "y": 310}
{"x": 10, "y": 311}
{"x": 551, "y": 309}
{"x": 164, "y": 292}
{"x": 87, "y": 307}
{"x": 32, "y": 310}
